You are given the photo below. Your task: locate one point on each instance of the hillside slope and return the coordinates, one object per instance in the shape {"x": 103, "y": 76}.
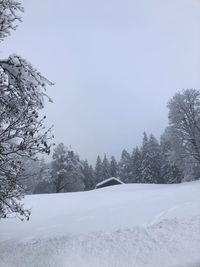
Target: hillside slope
{"x": 120, "y": 226}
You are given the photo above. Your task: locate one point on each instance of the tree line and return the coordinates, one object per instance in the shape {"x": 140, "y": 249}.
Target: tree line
{"x": 172, "y": 159}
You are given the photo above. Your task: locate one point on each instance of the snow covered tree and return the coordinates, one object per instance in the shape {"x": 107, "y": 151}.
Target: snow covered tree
{"x": 184, "y": 119}
{"x": 105, "y": 168}
{"x": 88, "y": 172}
{"x": 144, "y": 157}
{"x": 178, "y": 156}
{"x": 67, "y": 173}
{"x": 125, "y": 170}
{"x": 154, "y": 149}
{"x": 35, "y": 176}
{"x": 9, "y": 16}
{"x": 151, "y": 160}
{"x": 29, "y": 175}
{"x": 136, "y": 159}
{"x": 58, "y": 171}
{"x": 22, "y": 132}
{"x": 113, "y": 167}
{"x": 170, "y": 172}
{"x": 43, "y": 179}
{"x": 98, "y": 170}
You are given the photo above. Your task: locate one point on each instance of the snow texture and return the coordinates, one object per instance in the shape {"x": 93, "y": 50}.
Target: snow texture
{"x": 120, "y": 226}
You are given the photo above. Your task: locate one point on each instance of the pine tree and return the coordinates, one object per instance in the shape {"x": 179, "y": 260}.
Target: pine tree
{"x": 151, "y": 160}
{"x": 44, "y": 183}
{"x": 144, "y": 158}
{"x": 88, "y": 173}
{"x": 98, "y": 170}
{"x": 136, "y": 166}
{"x": 113, "y": 167}
{"x": 58, "y": 167}
{"x": 74, "y": 173}
{"x": 66, "y": 170}
{"x": 30, "y": 174}
{"x": 125, "y": 171}
{"x": 105, "y": 168}
{"x": 92, "y": 175}
{"x": 170, "y": 172}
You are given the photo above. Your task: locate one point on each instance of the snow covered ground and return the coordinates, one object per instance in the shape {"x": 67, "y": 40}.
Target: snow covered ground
{"x": 119, "y": 226}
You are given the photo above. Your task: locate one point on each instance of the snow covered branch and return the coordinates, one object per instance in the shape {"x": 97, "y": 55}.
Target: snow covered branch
{"x": 9, "y": 17}
{"x": 22, "y": 131}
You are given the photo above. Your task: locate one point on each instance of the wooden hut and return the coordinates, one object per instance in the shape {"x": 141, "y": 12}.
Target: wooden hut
{"x": 108, "y": 182}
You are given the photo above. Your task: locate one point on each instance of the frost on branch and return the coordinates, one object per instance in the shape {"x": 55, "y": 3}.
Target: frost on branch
{"x": 9, "y": 17}
{"x": 22, "y": 131}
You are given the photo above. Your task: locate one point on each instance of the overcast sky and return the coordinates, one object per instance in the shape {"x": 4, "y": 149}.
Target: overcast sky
{"x": 115, "y": 64}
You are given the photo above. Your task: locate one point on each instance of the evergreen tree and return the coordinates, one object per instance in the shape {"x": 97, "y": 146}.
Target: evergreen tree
{"x": 33, "y": 172}
{"x": 44, "y": 184}
{"x": 113, "y": 167}
{"x": 88, "y": 173}
{"x": 170, "y": 172}
{"x": 66, "y": 170}
{"x": 98, "y": 170}
{"x": 151, "y": 160}
{"x": 144, "y": 157}
{"x": 105, "y": 168}
{"x": 92, "y": 175}
{"x": 136, "y": 166}
{"x": 125, "y": 171}
{"x": 74, "y": 173}
{"x": 58, "y": 167}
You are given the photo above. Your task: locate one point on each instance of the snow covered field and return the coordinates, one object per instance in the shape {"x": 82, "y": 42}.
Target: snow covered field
{"x": 120, "y": 226}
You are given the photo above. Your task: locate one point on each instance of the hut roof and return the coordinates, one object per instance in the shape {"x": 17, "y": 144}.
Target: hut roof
{"x": 108, "y": 182}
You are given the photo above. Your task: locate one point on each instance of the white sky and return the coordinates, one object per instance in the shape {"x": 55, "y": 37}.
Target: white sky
{"x": 115, "y": 64}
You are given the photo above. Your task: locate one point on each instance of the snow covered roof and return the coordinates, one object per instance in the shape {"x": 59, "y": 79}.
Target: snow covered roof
{"x": 108, "y": 182}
